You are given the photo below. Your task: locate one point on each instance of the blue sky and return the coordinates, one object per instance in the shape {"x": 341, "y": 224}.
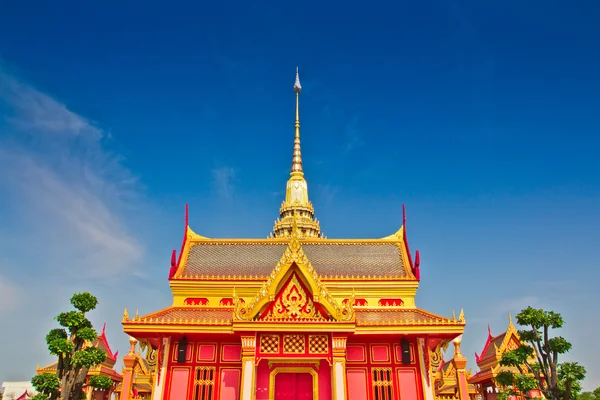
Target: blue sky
{"x": 482, "y": 118}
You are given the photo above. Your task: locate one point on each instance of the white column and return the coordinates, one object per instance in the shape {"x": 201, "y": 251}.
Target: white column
{"x": 248, "y": 378}
{"x": 427, "y": 384}
{"x": 248, "y": 368}
{"x": 339, "y": 379}
{"x": 338, "y": 371}
{"x": 159, "y": 384}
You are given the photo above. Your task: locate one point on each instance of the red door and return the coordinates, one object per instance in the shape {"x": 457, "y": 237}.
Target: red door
{"x": 293, "y": 386}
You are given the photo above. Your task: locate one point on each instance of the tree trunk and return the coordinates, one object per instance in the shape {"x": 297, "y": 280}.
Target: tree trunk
{"x": 79, "y": 382}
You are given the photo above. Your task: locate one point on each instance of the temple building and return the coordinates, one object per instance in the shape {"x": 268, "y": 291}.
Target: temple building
{"x": 489, "y": 362}
{"x": 295, "y": 315}
{"x": 106, "y": 368}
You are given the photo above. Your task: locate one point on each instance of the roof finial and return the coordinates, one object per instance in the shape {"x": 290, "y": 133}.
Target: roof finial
{"x": 297, "y": 158}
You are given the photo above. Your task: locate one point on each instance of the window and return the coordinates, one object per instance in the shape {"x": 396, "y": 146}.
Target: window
{"x": 204, "y": 383}
{"x": 382, "y": 383}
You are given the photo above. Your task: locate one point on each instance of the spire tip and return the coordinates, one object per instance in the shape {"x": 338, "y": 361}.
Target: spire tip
{"x": 297, "y": 86}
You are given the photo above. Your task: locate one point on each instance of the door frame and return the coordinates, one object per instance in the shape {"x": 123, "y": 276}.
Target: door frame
{"x": 277, "y": 370}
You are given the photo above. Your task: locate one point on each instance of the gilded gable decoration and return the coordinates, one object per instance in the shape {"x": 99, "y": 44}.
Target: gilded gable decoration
{"x": 294, "y": 303}
{"x": 293, "y": 256}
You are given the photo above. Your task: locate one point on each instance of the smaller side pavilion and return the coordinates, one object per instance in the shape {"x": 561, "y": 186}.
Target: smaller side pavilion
{"x": 489, "y": 362}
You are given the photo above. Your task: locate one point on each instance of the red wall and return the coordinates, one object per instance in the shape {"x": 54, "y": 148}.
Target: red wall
{"x": 363, "y": 357}
{"x": 224, "y": 354}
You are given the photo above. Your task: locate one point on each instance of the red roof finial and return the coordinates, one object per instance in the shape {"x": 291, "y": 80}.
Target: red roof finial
{"x": 405, "y": 237}
{"x": 174, "y": 264}
{"x": 103, "y": 329}
{"x": 417, "y": 265}
{"x": 186, "y": 218}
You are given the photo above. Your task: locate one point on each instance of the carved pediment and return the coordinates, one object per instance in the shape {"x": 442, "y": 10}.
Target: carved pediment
{"x": 293, "y": 262}
{"x": 294, "y": 302}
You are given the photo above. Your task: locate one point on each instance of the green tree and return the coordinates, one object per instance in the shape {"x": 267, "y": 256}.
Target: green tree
{"x": 74, "y": 357}
{"x": 595, "y": 395}
{"x": 534, "y": 364}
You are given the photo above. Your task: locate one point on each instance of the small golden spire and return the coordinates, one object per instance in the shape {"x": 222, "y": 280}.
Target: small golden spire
{"x": 297, "y": 158}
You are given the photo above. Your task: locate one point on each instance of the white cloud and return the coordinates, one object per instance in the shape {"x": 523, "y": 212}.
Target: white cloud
{"x": 64, "y": 186}
{"x": 223, "y": 181}
{"x": 67, "y": 209}
{"x": 38, "y": 111}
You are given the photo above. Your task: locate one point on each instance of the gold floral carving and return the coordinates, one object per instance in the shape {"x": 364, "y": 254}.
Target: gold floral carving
{"x": 293, "y": 255}
{"x": 294, "y": 302}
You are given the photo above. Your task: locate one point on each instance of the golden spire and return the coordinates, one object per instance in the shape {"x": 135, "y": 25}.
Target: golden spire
{"x": 297, "y": 158}
{"x": 297, "y": 208}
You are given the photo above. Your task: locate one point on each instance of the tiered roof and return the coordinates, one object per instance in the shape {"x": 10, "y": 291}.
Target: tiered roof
{"x": 363, "y": 286}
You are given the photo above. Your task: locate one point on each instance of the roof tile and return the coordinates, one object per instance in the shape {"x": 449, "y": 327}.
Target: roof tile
{"x": 329, "y": 258}
{"x": 416, "y": 316}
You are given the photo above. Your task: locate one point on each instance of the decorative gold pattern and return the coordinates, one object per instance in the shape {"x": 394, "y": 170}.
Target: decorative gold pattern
{"x": 294, "y": 254}
{"x": 294, "y": 303}
{"x": 269, "y": 344}
{"x": 275, "y": 362}
{"x": 338, "y": 345}
{"x": 205, "y": 376}
{"x": 294, "y": 344}
{"x": 318, "y": 344}
{"x": 151, "y": 355}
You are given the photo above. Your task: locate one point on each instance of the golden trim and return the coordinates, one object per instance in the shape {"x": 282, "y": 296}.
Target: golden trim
{"x": 283, "y": 360}
{"x": 222, "y": 347}
{"x": 278, "y": 370}
{"x": 363, "y": 347}
{"x": 372, "y": 354}
{"x": 215, "y": 346}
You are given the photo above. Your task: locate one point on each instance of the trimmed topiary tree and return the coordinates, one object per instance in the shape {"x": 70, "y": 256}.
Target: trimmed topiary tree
{"x": 74, "y": 357}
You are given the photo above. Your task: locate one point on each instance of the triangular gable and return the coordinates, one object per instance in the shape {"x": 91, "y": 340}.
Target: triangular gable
{"x": 293, "y": 302}
{"x": 102, "y": 343}
{"x": 511, "y": 339}
{"x": 293, "y": 257}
